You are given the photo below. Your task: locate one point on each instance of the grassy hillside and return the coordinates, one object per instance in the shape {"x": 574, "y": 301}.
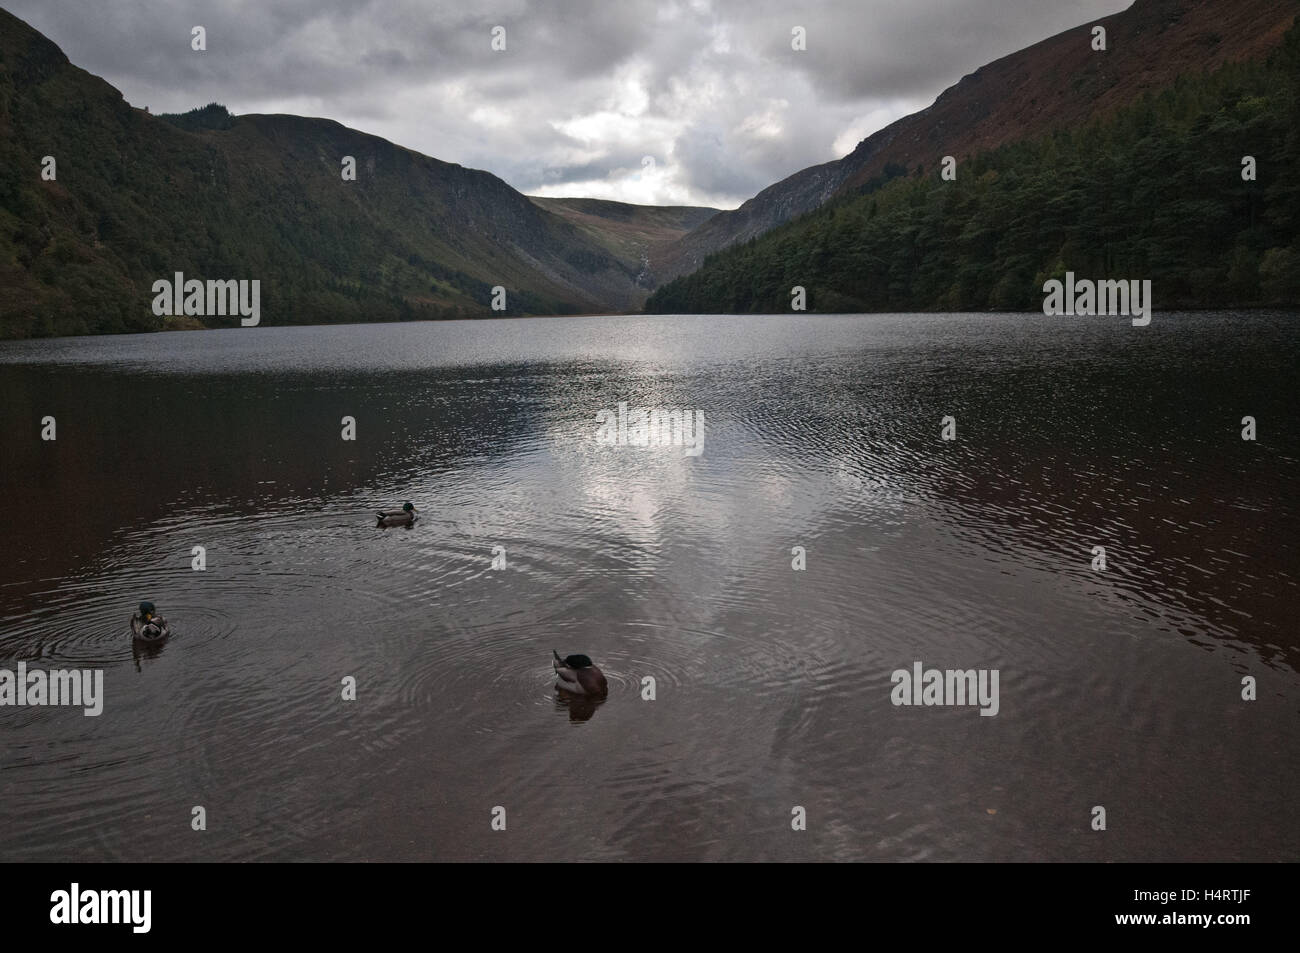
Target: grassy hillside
{"x": 138, "y": 197}
{"x": 1152, "y": 191}
{"x": 631, "y": 233}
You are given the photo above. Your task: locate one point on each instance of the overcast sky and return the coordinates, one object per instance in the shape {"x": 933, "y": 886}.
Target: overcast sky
{"x": 585, "y": 89}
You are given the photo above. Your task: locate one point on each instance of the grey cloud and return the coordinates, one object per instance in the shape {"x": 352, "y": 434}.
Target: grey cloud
{"x": 916, "y": 48}
{"x": 539, "y": 115}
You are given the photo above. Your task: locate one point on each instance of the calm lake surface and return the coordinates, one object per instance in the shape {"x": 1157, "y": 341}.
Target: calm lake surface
{"x": 1119, "y": 688}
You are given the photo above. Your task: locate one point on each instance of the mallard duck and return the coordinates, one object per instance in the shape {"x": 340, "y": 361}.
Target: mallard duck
{"x": 147, "y": 625}
{"x": 577, "y": 674}
{"x": 405, "y": 517}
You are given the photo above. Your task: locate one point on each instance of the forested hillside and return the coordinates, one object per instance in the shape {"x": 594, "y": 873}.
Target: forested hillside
{"x": 1154, "y": 191}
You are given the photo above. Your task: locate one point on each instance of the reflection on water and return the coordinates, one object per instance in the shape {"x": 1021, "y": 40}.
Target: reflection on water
{"x": 578, "y": 707}
{"x": 771, "y": 687}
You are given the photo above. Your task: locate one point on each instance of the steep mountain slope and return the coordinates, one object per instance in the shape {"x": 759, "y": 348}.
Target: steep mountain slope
{"x": 139, "y": 197}
{"x": 1057, "y": 83}
{"x": 1195, "y": 189}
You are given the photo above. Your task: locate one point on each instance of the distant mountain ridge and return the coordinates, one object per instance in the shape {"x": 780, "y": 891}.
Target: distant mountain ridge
{"x": 1056, "y": 82}
{"x": 138, "y": 197}
{"x": 630, "y": 232}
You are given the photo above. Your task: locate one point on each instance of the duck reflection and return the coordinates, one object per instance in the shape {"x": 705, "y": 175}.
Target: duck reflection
{"x": 580, "y": 707}
{"x": 145, "y": 650}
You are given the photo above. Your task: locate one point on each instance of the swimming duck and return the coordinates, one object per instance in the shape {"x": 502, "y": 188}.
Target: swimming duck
{"x": 577, "y": 674}
{"x": 147, "y": 625}
{"x": 405, "y": 517}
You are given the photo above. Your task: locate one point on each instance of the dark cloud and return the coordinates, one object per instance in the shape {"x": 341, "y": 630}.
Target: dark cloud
{"x": 711, "y": 89}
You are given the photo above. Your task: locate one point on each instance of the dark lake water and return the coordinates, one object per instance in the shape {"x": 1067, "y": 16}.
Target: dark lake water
{"x": 1119, "y": 689}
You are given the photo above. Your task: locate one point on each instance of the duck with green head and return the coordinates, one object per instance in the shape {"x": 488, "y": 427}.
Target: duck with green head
{"x": 403, "y": 517}
{"x": 147, "y": 625}
{"x": 579, "y": 675}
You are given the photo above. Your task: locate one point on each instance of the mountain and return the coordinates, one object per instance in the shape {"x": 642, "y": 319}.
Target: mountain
{"x": 1057, "y": 83}
{"x": 629, "y": 232}
{"x": 138, "y": 197}
{"x": 1195, "y": 189}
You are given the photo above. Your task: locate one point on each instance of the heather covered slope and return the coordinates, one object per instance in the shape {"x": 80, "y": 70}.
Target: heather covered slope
{"x": 1059, "y": 83}
{"x": 139, "y": 197}
{"x": 1154, "y": 191}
